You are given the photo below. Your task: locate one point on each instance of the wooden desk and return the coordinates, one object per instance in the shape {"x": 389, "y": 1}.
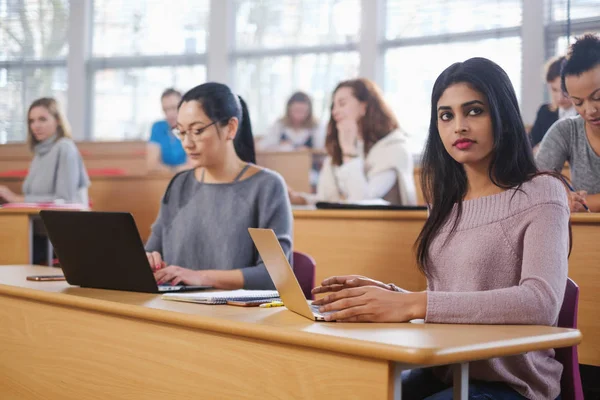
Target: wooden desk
{"x": 16, "y": 236}
{"x": 294, "y": 167}
{"x": 584, "y": 268}
{"x": 129, "y": 156}
{"x": 61, "y": 342}
{"x": 139, "y": 195}
{"x": 379, "y": 244}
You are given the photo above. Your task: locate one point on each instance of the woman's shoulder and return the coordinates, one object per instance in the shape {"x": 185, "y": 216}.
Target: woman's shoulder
{"x": 571, "y": 125}
{"x": 66, "y": 143}
{"x": 545, "y": 110}
{"x": 177, "y": 184}
{"x": 545, "y": 189}
{"x": 158, "y": 128}
{"x": 264, "y": 176}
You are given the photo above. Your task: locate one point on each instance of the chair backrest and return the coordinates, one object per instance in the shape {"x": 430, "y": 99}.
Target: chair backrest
{"x": 304, "y": 268}
{"x": 570, "y": 383}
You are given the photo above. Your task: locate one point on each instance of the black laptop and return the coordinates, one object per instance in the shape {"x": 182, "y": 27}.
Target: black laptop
{"x": 103, "y": 250}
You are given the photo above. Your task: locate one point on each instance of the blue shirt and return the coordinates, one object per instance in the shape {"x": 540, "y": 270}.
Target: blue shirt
{"x": 171, "y": 150}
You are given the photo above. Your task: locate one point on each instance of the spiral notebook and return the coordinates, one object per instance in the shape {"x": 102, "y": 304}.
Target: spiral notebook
{"x": 222, "y": 297}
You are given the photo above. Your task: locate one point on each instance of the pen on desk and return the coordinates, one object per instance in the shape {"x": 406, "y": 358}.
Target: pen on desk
{"x": 272, "y": 304}
{"x": 572, "y": 189}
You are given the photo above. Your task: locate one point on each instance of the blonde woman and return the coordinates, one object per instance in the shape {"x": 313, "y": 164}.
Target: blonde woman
{"x": 57, "y": 173}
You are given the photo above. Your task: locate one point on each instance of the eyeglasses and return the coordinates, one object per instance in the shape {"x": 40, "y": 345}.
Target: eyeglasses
{"x": 193, "y": 134}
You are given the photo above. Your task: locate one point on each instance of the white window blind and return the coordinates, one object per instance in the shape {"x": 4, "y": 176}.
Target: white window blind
{"x": 558, "y": 10}
{"x": 149, "y": 27}
{"x": 140, "y": 48}
{"x": 127, "y": 101}
{"x": 282, "y": 46}
{"x": 33, "y": 50}
{"x": 417, "y": 18}
{"x": 290, "y": 23}
{"x": 424, "y": 38}
{"x": 565, "y": 21}
{"x": 266, "y": 83}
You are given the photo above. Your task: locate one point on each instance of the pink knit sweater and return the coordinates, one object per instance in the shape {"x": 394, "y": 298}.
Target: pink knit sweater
{"x": 506, "y": 263}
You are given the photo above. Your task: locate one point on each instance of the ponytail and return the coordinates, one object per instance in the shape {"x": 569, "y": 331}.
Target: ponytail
{"x": 244, "y": 140}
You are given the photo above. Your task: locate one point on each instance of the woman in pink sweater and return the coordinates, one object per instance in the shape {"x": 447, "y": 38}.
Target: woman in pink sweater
{"x": 494, "y": 248}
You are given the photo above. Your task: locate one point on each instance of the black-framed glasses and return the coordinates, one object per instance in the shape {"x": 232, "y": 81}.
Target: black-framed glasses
{"x": 194, "y": 134}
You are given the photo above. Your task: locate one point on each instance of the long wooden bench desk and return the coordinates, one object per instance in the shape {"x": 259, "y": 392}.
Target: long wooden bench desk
{"x": 16, "y": 235}
{"x": 379, "y": 244}
{"x": 61, "y": 342}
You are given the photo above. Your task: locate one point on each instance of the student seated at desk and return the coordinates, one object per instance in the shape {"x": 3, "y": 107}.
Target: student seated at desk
{"x": 577, "y": 140}
{"x": 494, "y": 248}
{"x": 202, "y": 228}
{"x": 297, "y": 130}
{"x": 560, "y": 107}
{"x": 165, "y": 152}
{"x": 57, "y": 173}
{"x": 368, "y": 155}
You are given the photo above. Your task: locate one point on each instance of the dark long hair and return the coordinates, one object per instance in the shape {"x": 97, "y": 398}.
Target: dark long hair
{"x": 378, "y": 121}
{"x": 220, "y": 104}
{"x": 443, "y": 179}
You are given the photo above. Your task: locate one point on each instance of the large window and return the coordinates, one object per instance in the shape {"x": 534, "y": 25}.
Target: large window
{"x": 582, "y": 17}
{"x": 140, "y": 48}
{"x": 33, "y": 49}
{"x": 423, "y": 38}
{"x": 286, "y": 45}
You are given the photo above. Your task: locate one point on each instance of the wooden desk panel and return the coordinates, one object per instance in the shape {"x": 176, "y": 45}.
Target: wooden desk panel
{"x": 584, "y": 269}
{"x": 15, "y": 237}
{"x": 129, "y": 156}
{"x": 377, "y": 244}
{"x": 294, "y": 166}
{"x": 80, "y": 354}
{"x": 140, "y": 196}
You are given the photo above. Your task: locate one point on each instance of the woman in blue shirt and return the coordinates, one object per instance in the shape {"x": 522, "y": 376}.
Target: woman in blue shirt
{"x": 165, "y": 152}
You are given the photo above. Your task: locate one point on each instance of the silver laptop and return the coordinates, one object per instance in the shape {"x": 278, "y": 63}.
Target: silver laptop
{"x": 282, "y": 274}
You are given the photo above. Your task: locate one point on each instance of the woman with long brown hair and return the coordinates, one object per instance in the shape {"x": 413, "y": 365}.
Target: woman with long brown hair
{"x": 368, "y": 158}
{"x": 57, "y": 173}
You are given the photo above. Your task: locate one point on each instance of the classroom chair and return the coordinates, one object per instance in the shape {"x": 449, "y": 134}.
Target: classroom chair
{"x": 304, "y": 269}
{"x": 570, "y": 384}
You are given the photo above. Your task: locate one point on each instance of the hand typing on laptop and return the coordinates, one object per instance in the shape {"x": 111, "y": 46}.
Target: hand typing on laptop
{"x": 337, "y": 283}
{"x": 175, "y": 275}
{"x": 368, "y": 301}
{"x": 155, "y": 260}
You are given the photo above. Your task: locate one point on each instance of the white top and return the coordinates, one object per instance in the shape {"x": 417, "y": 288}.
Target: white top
{"x": 387, "y": 169}
{"x": 297, "y": 138}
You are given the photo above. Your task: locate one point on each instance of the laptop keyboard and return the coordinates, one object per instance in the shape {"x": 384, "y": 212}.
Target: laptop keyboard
{"x": 169, "y": 288}
{"x": 315, "y": 310}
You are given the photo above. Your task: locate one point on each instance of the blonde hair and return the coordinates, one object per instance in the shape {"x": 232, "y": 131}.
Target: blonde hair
{"x": 63, "y": 129}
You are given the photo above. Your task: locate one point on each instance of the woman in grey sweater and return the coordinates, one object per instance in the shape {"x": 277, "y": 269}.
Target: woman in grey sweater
{"x": 57, "y": 173}
{"x": 201, "y": 234}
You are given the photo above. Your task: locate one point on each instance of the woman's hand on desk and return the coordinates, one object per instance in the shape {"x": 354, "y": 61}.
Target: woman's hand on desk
{"x": 373, "y": 304}
{"x": 176, "y": 275}
{"x": 337, "y": 283}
